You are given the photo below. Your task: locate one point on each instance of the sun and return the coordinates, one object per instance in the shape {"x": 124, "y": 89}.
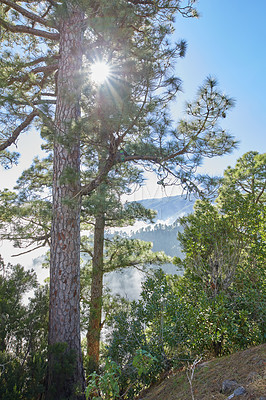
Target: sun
{"x": 99, "y": 72}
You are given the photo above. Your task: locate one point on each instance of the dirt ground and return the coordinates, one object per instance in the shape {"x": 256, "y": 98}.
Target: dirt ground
{"x": 245, "y": 367}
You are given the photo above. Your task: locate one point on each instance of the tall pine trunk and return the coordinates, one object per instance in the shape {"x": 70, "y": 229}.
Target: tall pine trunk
{"x": 94, "y": 328}
{"x": 65, "y": 368}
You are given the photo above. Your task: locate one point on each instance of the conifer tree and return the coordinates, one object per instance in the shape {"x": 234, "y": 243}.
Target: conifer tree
{"x": 29, "y": 219}
{"x": 109, "y": 254}
{"x": 47, "y": 47}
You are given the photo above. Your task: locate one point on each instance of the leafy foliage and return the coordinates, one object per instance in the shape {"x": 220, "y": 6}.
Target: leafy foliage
{"x": 23, "y": 334}
{"x": 218, "y": 305}
{"x": 212, "y": 246}
{"x": 104, "y": 386}
{"x": 175, "y": 320}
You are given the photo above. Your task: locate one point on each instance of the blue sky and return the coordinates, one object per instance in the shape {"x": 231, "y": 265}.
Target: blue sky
{"x": 228, "y": 42}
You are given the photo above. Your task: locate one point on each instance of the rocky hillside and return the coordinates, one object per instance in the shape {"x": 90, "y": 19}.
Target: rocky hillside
{"x": 241, "y": 375}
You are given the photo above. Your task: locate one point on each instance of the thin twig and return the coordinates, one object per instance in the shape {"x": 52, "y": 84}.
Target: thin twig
{"x": 190, "y": 374}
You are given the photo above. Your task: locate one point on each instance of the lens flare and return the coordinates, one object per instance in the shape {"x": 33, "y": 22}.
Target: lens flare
{"x": 99, "y": 72}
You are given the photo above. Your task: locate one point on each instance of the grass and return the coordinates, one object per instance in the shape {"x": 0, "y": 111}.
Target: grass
{"x": 247, "y": 367}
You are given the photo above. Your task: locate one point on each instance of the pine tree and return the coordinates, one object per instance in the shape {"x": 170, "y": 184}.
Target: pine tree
{"x": 102, "y": 210}
{"x": 42, "y": 72}
{"x": 110, "y": 254}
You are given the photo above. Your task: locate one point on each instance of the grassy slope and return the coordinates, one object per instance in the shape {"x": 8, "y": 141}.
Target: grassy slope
{"x": 246, "y": 367}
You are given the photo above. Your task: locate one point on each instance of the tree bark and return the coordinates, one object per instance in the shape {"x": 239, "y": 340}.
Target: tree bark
{"x": 65, "y": 368}
{"x": 96, "y": 300}
{"x": 94, "y": 328}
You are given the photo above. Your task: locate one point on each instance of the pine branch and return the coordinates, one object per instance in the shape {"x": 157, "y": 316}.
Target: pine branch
{"x": 28, "y": 251}
{"x": 86, "y": 190}
{"x": 177, "y": 153}
{"x": 45, "y": 68}
{"x": 52, "y": 2}
{"x": 136, "y": 157}
{"x": 28, "y": 30}
{"x": 158, "y": 160}
{"x": 47, "y": 11}
{"x": 33, "y": 103}
{"x": 260, "y": 194}
{"x": 24, "y": 78}
{"x": 142, "y": 2}
{"x": 18, "y": 130}
{"x": 42, "y": 101}
{"x": 186, "y": 147}
{"x": 39, "y": 60}
{"x": 120, "y": 138}
{"x": 28, "y": 14}
{"x": 84, "y": 249}
{"x": 48, "y": 94}
{"x": 136, "y": 265}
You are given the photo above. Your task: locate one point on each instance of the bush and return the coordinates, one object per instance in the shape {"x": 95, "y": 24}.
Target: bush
{"x": 176, "y": 319}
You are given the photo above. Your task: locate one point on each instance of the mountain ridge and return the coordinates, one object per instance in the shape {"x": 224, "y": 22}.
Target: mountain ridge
{"x": 169, "y": 208}
{"x": 162, "y": 233}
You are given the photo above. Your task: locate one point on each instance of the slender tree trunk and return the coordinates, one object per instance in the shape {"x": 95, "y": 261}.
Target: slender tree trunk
{"x": 94, "y": 328}
{"x": 65, "y": 368}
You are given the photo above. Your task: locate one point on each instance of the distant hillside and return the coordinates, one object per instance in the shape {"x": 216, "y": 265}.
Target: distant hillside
{"x": 246, "y": 368}
{"x": 163, "y": 235}
{"x": 164, "y": 238}
{"x": 169, "y": 208}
